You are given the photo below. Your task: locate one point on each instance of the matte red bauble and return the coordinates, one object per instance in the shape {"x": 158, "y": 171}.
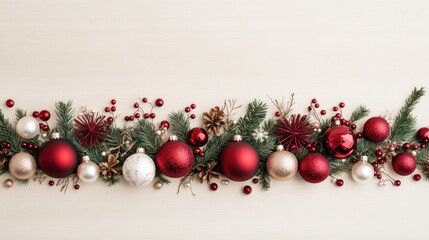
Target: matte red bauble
{"x": 339, "y": 141}
{"x": 198, "y": 137}
{"x": 404, "y": 163}
{"x": 175, "y": 159}
{"x": 314, "y": 168}
{"x": 239, "y": 161}
{"x": 58, "y": 158}
{"x": 376, "y": 129}
{"x": 423, "y": 135}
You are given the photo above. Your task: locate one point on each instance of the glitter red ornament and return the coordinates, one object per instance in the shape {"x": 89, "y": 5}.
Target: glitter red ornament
{"x": 175, "y": 158}
{"x": 198, "y": 137}
{"x": 339, "y": 141}
{"x": 404, "y": 163}
{"x": 314, "y": 168}
{"x": 44, "y": 115}
{"x": 239, "y": 161}
{"x": 376, "y": 129}
{"x": 57, "y": 158}
{"x": 423, "y": 135}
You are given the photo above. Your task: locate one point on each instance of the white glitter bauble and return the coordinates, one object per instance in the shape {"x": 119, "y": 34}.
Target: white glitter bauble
{"x": 139, "y": 169}
{"x": 27, "y": 127}
{"x": 88, "y": 172}
{"x": 362, "y": 171}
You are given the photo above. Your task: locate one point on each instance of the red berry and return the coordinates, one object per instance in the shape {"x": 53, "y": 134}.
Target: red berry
{"x": 193, "y": 106}
{"x": 338, "y": 115}
{"x": 323, "y": 112}
{"x": 316, "y": 105}
{"x": 314, "y": 100}
{"x": 417, "y": 177}
{"x": 126, "y": 118}
{"x": 35, "y": 147}
{"x": 146, "y": 115}
{"x": 406, "y": 146}
{"x": 415, "y": 146}
{"x": 213, "y": 186}
{"x": 107, "y": 109}
{"x": 10, "y": 103}
{"x": 8, "y": 145}
{"x": 187, "y": 109}
{"x": 113, "y": 101}
{"x": 44, "y": 115}
{"x": 137, "y": 115}
{"x": 247, "y": 190}
{"x": 30, "y": 146}
{"x": 35, "y": 114}
{"x": 201, "y": 154}
{"x": 375, "y": 172}
{"x": 23, "y": 144}
{"x": 342, "y": 105}
{"x": 379, "y": 176}
{"x": 152, "y": 115}
{"x": 113, "y": 109}
{"x": 308, "y": 145}
{"x": 397, "y": 183}
{"x": 378, "y": 153}
{"x": 136, "y": 105}
{"x": 423, "y": 146}
{"x": 381, "y": 161}
{"x": 313, "y": 150}
{"x": 310, "y": 108}
{"x": 374, "y": 165}
{"x": 51, "y": 183}
{"x": 110, "y": 119}
{"x": 359, "y": 135}
{"x": 197, "y": 151}
{"x": 278, "y": 114}
{"x": 255, "y": 180}
{"x": 340, "y": 182}
{"x": 165, "y": 124}
{"x": 335, "y": 108}
{"x": 76, "y": 186}
{"x": 159, "y": 102}
{"x": 353, "y": 126}
{"x": 144, "y": 100}
{"x": 131, "y": 118}
{"x": 315, "y": 144}
{"x": 192, "y": 116}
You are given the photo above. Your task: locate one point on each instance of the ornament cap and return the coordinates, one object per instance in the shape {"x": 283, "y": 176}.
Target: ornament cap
{"x": 85, "y": 159}
{"x": 55, "y": 135}
{"x": 337, "y": 122}
{"x": 237, "y": 138}
{"x": 140, "y": 150}
{"x": 364, "y": 158}
{"x": 280, "y": 147}
{"x": 173, "y": 138}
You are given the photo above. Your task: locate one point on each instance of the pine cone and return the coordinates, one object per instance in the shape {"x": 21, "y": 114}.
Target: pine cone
{"x": 214, "y": 121}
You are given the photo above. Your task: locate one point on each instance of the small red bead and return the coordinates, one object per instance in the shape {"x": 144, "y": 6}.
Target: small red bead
{"x": 213, "y": 186}
{"x": 51, "y": 183}
{"x": 131, "y": 118}
{"x": 340, "y": 182}
{"x": 30, "y": 146}
{"x": 308, "y": 145}
{"x": 110, "y": 119}
{"x": 310, "y": 108}
{"x": 342, "y": 105}
{"x": 144, "y": 100}
{"x": 397, "y": 183}
{"x": 381, "y": 161}
{"x": 338, "y": 115}
{"x": 278, "y": 114}
{"x": 35, "y": 114}
{"x": 187, "y": 109}
{"x": 292, "y": 147}
{"x": 45, "y": 128}
{"x": 159, "y": 102}
{"x": 247, "y": 190}
{"x": 8, "y": 145}
{"x": 314, "y": 100}
{"x": 165, "y": 124}
{"x": 146, "y": 115}
{"x": 417, "y": 177}
{"x": 126, "y": 118}
{"x": 136, "y": 105}
{"x": 193, "y": 116}
{"x": 316, "y": 105}
{"x": 375, "y": 172}
{"x": 313, "y": 150}
{"x": 406, "y": 146}
{"x": 23, "y": 144}
{"x": 197, "y": 151}
{"x": 107, "y": 109}
{"x": 137, "y": 115}
{"x": 255, "y": 180}
{"x": 374, "y": 165}
{"x": 379, "y": 176}
{"x": 152, "y": 115}
{"x": 423, "y": 146}
{"x": 315, "y": 144}
{"x": 323, "y": 112}
{"x": 201, "y": 154}
{"x": 76, "y": 186}
{"x": 113, "y": 101}
{"x": 397, "y": 147}
{"x": 415, "y": 146}
{"x": 378, "y": 153}
{"x": 335, "y": 109}
{"x": 10, "y": 103}
{"x": 44, "y": 115}
{"x": 113, "y": 109}
{"x": 193, "y": 106}
{"x": 353, "y": 126}
{"x": 35, "y": 147}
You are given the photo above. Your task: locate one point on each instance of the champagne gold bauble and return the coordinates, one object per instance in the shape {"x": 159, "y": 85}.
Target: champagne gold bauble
{"x": 282, "y": 165}
{"x": 22, "y": 166}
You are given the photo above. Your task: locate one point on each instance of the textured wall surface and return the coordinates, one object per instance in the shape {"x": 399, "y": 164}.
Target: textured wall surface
{"x": 199, "y": 51}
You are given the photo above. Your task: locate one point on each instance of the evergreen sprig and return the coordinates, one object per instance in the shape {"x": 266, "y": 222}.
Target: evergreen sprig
{"x": 359, "y": 113}
{"x": 20, "y": 113}
{"x": 8, "y": 134}
{"x": 144, "y": 135}
{"x": 180, "y": 125}
{"x": 255, "y": 115}
{"x": 265, "y": 148}
{"x": 404, "y": 125}
{"x": 65, "y": 113}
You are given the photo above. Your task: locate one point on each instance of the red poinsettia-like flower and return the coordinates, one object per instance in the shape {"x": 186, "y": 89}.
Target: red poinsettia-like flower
{"x": 91, "y": 129}
{"x": 294, "y": 132}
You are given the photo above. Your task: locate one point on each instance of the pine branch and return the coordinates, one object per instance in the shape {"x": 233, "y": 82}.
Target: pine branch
{"x": 255, "y": 115}
{"x": 8, "y": 134}
{"x": 180, "y": 125}
{"x": 161, "y": 178}
{"x": 359, "y": 113}
{"x": 265, "y": 148}
{"x": 20, "y": 113}
{"x": 405, "y": 123}
{"x": 144, "y": 135}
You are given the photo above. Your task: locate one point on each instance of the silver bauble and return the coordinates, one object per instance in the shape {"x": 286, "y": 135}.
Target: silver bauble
{"x": 88, "y": 171}
{"x": 22, "y": 166}
{"x": 139, "y": 169}
{"x": 362, "y": 171}
{"x": 282, "y": 165}
{"x": 27, "y": 127}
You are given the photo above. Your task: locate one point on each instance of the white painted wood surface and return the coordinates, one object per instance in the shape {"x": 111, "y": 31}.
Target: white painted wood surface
{"x": 199, "y": 51}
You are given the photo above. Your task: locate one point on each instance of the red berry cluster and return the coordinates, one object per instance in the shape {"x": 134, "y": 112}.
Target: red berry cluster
{"x": 198, "y": 152}
{"x": 6, "y": 144}
{"x": 312, "y": 147}
{"x": 43, "y": 115}
{"x": 189, "y": 109}
{"x": 29, "y": 146}
{"x": 139, "y": 112}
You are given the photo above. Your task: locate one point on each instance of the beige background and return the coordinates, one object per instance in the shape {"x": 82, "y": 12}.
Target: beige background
{"x": 198, "y": 51}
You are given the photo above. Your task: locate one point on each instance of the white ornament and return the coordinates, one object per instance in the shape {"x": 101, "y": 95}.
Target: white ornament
{"x": 88, "y": 171}
{"x": 139, "y": 169}
{"x": 27, "y": 127}
{"x": 362, "y": 171}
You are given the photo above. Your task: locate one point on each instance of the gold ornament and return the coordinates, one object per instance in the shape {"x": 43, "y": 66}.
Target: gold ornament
{"x": 111, "y": 167}
{"x": 282, "y": 165}
{"x": 205, "y": 172}
{"x": 214, "y": 121}
{"x": 22, "y": 166}
{"x": 8, "y": 183}
{"x": 158, "y": 185}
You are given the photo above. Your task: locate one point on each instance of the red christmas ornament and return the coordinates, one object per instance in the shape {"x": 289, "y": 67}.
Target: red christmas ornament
{"x": 91, "y": 129}
{"x": 239, "y": 161}
{"x": 314, "y": 168}
{"x": 198, "y": 137}
{"x": 339, "y": 141}
{"x": 404, "y": 163}
{"x": 376, "y": 129}
{"x": 423, "y": 135}
{"x": 159, "y": 102}
{"x": 247, "y": 190}
{"x": 10, "y": 103}
{"x": 58, "y": 158}
{"x": 294, "y": 132}
{"x": 44, "y": 115}
{"x": 175, "y": 158}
